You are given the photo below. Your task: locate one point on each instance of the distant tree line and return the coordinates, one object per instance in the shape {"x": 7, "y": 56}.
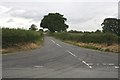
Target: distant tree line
{"x": 111, "y": 25}
{"x": 75, "y": 31}
{"x": 55, "y": 22}
{"x": 33, "y": 27}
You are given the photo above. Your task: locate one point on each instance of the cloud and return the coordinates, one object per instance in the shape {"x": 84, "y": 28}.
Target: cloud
{"x": 10, "y": 20}
{"x": 119, "y": 10}
{"x": 28, "y": 14}
{"x": 59, "y": 0}
{"x": 4, "y": 9}
{"x": 80, "y": 15}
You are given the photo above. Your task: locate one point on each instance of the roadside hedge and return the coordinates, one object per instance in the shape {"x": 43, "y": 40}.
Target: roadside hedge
{"x": 107, "y": 38}
{"x": 12, "y": 37}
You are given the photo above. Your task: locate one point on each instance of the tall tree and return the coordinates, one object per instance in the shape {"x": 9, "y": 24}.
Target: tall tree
{"x": 54, "y": 22}
{"x": 111, "y": 25}
{"x": 119, "y": 27}
{"x": 33, "y": 27}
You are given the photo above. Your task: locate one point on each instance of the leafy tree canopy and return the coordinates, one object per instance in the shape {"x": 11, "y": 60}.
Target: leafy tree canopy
{"x": 74, "y": 31}
{"x": 33, "y": 27}
{"x": 111, "y": 25}
{"x": 54, "y": 22}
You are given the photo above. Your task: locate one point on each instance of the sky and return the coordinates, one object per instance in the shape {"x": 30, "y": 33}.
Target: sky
{"x": 82, "y": 15}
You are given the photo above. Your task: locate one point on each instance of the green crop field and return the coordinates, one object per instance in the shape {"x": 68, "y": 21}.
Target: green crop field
{"x": 107, "y": 38}
{"x": 12, "y": 37}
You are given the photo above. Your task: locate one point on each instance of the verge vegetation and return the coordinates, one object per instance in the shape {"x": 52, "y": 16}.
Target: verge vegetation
{"x": 19, "y": 39}
{"x": 99, "y": 41}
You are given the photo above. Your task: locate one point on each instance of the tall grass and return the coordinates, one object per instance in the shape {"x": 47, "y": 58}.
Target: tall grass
{"x": 12, "y": 37}
{"x": 107, "y": 38}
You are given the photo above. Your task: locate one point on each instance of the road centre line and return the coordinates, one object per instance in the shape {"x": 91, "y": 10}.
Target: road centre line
{"x": 89, "y": 65}
{"x": 71, "y": 53}
{"x": 53, "y": 41}
{"x": 117, "y": 67}
{"x": 110, "y": 64}
{"x": 79, "y": 59}
{"x": 56, "y": 43}
{"x": 38, "y": 66}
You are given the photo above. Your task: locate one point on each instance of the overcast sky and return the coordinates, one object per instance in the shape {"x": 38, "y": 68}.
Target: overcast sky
{"x": 81, "y": 14}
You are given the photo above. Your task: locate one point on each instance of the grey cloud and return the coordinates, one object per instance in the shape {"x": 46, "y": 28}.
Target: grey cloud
{"x": 80, "y": 20}
{"x": 10, "y": 20}
{"x": 119, "y": 10}
{"x": 76, "y": 13}
{"x": 29, "y": 15}
{"x": 59, "y": 0}
{"x": 25, "y": 10}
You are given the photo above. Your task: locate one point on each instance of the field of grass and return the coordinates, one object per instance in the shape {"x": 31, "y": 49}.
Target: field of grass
{"x": 20, "y": 37}
{"x": 106, "y": 40}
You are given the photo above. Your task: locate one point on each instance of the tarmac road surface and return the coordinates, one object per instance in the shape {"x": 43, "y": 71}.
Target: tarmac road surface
{"x": 57, "y": 59}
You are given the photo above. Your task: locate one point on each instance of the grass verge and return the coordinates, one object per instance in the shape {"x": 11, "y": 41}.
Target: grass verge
{"x": 18, "y": 39}
{"x": 22, "y": 47}
{"x": 98, "y": 41}
{"x": 102, "y": 47}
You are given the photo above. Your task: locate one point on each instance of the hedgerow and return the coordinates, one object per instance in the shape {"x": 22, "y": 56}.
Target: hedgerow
{"x": 107, "y": 38}
{"x": 12, "y": 37}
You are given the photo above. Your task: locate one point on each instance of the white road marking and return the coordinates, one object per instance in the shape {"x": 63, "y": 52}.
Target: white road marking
{"x": 53, "y": 41}
{"x": 84, "y": 62}
{"x": 71, "y": 53}
{"x": 38, "y": 66}
{"x": 110, "y": 64}
{"x": 87, "y": 64}
{"x": 79, "y": 59}
{"x": 90, "y": 66}
{"x": 58, "y": 45}
{"x": 104, "y": 64}
{"x": 116, "y": 67}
